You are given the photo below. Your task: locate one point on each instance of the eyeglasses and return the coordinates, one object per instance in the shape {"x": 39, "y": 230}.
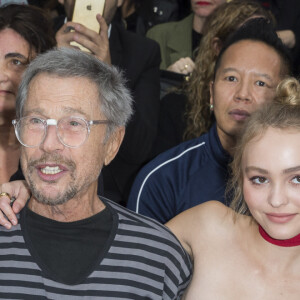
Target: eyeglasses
{"x": 71, "y": 131}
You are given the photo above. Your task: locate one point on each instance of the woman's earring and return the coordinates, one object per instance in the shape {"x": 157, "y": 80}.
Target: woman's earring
{"x": 211, "y": 107}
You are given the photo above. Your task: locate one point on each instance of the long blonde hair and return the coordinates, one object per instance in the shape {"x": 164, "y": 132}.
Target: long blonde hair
{"x": 221, "y": 23}
{"x": 282, "y": 113}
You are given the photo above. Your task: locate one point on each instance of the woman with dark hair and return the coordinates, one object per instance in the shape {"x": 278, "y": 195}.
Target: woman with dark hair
{"x": 25, "y": 31}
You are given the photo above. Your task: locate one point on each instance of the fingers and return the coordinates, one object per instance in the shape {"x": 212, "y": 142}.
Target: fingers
{"x": 7, "y": 216}
{"x": 22, "y": 198}
{"x": 96, "y": 43}
{"x": 19, "y": 191}
{"x": 184, "y": 65}
{"x": 65, "y": 35}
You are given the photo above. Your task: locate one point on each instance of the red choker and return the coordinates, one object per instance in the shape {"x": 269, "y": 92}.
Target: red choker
{"x": 295, "y": 241}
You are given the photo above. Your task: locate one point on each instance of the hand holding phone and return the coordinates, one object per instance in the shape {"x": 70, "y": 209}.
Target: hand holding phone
{"x": 84, "y": 13}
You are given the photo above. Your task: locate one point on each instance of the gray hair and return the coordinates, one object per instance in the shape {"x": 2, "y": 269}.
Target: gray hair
{"x": 115, "y": 99}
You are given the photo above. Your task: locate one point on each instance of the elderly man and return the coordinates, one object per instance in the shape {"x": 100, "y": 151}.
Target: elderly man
{"x": 139, "y": 58}
{"x": 71, "y": 113}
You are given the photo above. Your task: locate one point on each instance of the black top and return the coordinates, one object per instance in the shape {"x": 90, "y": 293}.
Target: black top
{"x": 172, "y": 123}
{"x": 55, "y": 244}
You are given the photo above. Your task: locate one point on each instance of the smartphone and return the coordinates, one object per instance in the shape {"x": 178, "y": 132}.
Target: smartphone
{"x": 85, "y": 12}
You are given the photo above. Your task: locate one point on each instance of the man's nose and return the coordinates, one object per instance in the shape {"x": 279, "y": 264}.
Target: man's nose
{"x": 51, "y": 141}
{"x": 243, "y": 91}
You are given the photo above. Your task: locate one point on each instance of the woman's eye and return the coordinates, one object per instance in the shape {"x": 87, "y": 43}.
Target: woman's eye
{"x": 17, "y": 62}
{"x": 259, "y": 180}
{"x": 231, "y": 78}
{"x": 260, "y": 83}
{"x": 296, "y": 180}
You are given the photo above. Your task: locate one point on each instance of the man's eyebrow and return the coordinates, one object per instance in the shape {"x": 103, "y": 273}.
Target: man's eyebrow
{"x": 65, "y": 109}
{"x": 267, "y": 76}
{"x": 256, "y": 169}
{"x": 264, "y": 75}
{"x": 15, "y": 55}
{"x": 74, "y": 110}
{"x": 225, "y": 70}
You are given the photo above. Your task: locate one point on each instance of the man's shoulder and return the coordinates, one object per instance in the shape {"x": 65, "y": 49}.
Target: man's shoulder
{"x": 140, "y": 223}
{"x": 182, "y": 154}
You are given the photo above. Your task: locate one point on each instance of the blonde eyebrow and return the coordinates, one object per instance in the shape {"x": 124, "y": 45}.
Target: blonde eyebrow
{"x": 257, "y": 169}
{"x": 291, "y": 170}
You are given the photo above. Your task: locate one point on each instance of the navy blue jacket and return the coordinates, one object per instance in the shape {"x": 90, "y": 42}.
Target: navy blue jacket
{"x": 189, "y": 174}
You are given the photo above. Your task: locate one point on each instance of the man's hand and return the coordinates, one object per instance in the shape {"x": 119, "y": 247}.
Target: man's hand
{"x": 183, "y": 65}
{"x": 97, "y": 43}
{"x": 16, "y": 189}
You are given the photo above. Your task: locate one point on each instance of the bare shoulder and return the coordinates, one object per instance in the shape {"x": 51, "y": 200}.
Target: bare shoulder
{"x": 203, "y": 222}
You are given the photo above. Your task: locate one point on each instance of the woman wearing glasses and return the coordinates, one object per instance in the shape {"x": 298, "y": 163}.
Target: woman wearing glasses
{"x": 25, "y": 31}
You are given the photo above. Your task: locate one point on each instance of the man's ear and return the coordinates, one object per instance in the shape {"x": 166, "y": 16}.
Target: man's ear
{"x": 113, "y": 144}
{"x": 216, "y": 45}
{"x": 120, "y": 2}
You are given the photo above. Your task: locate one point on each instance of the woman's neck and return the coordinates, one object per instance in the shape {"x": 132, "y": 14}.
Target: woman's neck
{"x": 127, "y": 9}
{"x": 292, "y": 242}
{"x": 198, "y": 23}
{"x": 278, "y": 259}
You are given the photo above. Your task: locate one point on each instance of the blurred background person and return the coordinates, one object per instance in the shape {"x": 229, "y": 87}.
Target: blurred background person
{"x": 140, "y": 15}
{"x": 287, "y": 16}
{"x": 25, "y": 31}
{"x": 178, "y": 40}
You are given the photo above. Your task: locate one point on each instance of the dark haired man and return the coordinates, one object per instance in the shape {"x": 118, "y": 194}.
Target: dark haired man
{"x": 248, "y": 70}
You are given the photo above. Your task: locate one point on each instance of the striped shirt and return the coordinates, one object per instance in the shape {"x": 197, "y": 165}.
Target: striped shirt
{"x": 144, "y": 261}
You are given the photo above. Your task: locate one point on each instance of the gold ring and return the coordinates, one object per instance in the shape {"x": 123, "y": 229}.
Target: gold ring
{"x": 5, "y": 194}
{"x": 186, "y": 66}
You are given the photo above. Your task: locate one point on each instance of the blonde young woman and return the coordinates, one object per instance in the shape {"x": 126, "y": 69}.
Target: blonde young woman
{"x": 251, "y": 251}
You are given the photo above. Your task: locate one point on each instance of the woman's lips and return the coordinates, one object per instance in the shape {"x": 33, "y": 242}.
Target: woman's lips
{"x": 6, "y": 92}
{"x": 203, "y": 3}
{"x": 239, "y": 114}
{"x": 280, "y": 218}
